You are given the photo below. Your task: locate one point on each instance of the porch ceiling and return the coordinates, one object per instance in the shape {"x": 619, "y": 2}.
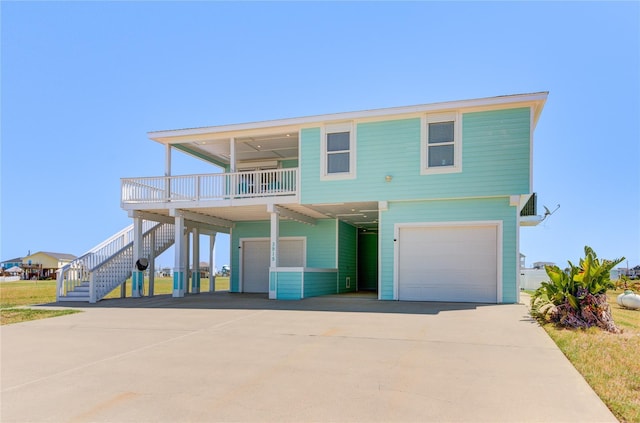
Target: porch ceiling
{"x": 279, "y": 146}
{"x": 363, "y": 215}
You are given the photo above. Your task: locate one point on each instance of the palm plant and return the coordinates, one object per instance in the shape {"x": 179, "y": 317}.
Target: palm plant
{"x": 576, "y": 297}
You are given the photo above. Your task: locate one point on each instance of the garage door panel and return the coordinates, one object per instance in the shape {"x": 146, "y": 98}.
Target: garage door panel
{"x": 256, "y": 261}
{"x": 448, "y": 263}
{"x": 255, "y": 266}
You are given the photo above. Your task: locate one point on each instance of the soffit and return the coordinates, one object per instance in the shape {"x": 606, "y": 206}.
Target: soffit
{"x": 363, "y": 215}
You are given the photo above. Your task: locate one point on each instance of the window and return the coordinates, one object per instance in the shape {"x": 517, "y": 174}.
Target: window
{"x": 441, "y": 150}
{"x": 338, "y": 153}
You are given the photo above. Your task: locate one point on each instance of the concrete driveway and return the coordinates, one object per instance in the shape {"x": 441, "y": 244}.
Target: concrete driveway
{"x": 236, "y": 357}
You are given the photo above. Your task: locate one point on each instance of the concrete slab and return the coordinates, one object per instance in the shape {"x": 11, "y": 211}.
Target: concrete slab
{"x": 237, "y": 357}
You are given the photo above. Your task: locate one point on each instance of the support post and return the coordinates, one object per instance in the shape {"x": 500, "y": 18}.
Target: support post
{"x": 167, "y": 171}
{"x": 152, "y": 264}
{"x": 179, "y": 264}
{"x": 195, "y": 268}
{"x": 187, "y": 273}
{"x": 212, "y": 262}
{"x": 137, "y": 276}
{"x": 232, "y": 154}
{"x": 273, "y": 251}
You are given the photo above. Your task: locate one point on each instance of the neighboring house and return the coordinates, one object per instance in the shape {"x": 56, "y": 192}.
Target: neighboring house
{"x": 415, "y": 203}
{"x": 15, "y": 262}
{"x": 44, "y": 264}
{"x": 542, "y": 264}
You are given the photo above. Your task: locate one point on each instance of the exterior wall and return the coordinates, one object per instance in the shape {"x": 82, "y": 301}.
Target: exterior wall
{"x": 45, "y": 260}
{"x": 495, "y": 161}
{"x": 292, "y": 282}
{"x": 288, "y": 164}
{"x": 289, "y": 285}
{"x": 347, "y": 257}
{"x": 452, "y": 211}
{"x": 319, "y": 283}
{"x": 320, "y": 242}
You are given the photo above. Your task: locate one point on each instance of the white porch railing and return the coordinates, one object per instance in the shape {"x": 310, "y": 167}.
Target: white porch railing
{"x": 214, "y": 186}
{"x": 110, "y": 263}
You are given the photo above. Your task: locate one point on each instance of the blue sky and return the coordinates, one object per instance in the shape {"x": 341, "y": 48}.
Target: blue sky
{"x": 83, "y": 82}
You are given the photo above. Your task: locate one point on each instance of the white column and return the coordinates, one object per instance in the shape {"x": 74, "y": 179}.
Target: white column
{"x": 195, "y": 276}
{"x": 152, "y": 264}
{"x": 273, "y": 252}
{"x": 167, "y": 160}
{"x": 167, "y": 171}
{"x": 232, "y": 154}
{"x": 179, "y": 264}
{"x": 187, "y": 239}
{"x": 137, "y": 276}
{"x": 212, "y": 262}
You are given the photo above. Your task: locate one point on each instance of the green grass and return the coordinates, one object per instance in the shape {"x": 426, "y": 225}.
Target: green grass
{"x": 18, "y": 315}
{"x": 165, "y": 286}
{"x": 608, "y": 362}
{"x": 21, "y": 293}
{"x": 14, "y": 296}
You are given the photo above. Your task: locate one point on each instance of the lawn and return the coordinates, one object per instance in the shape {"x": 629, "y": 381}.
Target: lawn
{"x": 14, "y": 296}
{"x": 608, "y": 362}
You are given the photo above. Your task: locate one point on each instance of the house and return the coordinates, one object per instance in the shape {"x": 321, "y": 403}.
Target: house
{"x": 420, "y": 203}
{"x": 44, "y": 265}
{"x": 14, "y": 262}
{"x": 542, "y": 264}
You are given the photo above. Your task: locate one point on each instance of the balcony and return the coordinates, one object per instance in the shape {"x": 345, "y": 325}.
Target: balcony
{"x": 209, "y": 187}
{"x": 531, "y": 207}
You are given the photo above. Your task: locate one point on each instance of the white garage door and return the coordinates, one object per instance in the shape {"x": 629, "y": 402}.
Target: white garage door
{"x": 448, "y": 263}
{"x": 255, "y": 261}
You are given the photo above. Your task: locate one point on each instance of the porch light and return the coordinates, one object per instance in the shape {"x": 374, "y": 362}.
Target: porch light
{"x": 388, "y": 178}
{"x": 142, "y": 264}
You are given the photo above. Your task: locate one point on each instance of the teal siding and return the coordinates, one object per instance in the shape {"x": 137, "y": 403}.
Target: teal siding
{"x": 495, "y": 161}
{"x": 347, "y": 263}
{"x": 319, "y": 283}
{"x": 288, "y": 164}
{"x": 321, "y": 242}
{"x": 289, "y": 285}
{"x": 452, "y": 211}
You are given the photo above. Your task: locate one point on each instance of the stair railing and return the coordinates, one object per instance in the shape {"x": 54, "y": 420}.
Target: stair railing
{"x": 84, "y": 268}
{"x": 117, "y": 269}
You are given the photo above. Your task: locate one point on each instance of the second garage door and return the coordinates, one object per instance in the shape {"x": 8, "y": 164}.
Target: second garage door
{"x": 255, "y": 261}
{"x": 448, "y": 263}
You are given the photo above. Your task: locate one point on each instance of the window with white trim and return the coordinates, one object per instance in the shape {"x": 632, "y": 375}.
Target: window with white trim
{"x": 338, "y": 152}
{"x": 441, "y": 151}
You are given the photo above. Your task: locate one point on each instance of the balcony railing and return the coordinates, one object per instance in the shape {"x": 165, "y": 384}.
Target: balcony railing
{"x": 213, "y": 186}
{"x": 531, "y": 208}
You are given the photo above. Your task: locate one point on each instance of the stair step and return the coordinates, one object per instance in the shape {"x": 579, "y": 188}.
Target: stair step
{"x": 68, "y": 298}
{"x": 78, "y": 293}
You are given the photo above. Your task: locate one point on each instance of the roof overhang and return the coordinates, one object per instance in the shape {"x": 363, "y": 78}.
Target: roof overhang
{"x": 536, "y": 100}
{"x": 278, "y": 139}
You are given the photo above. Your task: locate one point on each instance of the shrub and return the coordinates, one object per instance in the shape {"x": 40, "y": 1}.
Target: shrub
{"x": 576, "y": 297}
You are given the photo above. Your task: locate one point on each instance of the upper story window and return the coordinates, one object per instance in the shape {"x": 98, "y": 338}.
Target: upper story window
{"x": 338, "y": 151}
{"x": 441, "y": 149}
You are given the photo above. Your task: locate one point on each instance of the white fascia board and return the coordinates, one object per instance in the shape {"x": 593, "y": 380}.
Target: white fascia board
{"x": 530, "y": 220}
{"x": 291, "y": 124}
